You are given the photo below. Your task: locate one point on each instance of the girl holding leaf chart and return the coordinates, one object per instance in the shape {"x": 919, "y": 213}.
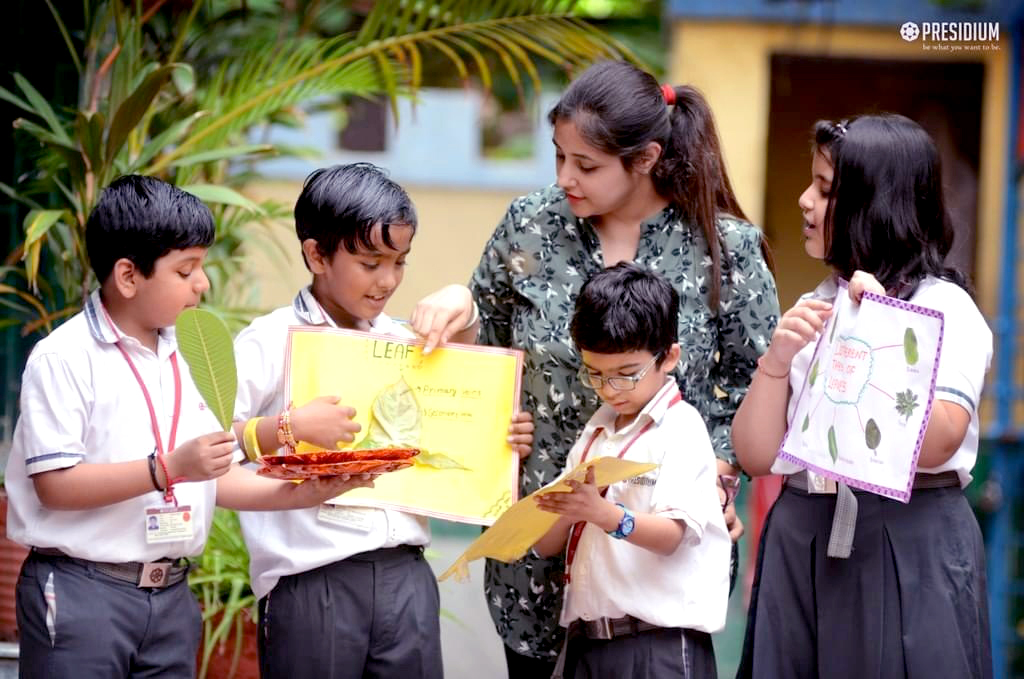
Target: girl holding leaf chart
{"x": 909, "y": 599}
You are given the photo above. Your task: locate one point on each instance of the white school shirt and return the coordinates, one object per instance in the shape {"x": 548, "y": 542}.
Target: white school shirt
{"x": 965, "y": 358}
{"x": 295, "y": 541}
{"x": 80, "y": 402}
{"x": 611, "y": 577}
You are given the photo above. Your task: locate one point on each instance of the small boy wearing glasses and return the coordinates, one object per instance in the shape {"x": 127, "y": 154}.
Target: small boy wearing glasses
{"x": 647, "y": 559}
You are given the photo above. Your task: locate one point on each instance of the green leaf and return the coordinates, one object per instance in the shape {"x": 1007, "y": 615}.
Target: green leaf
{"x": 437, "y": 461}
{"x": 221, "y": 154}
{"x": 910, "y": 347}
{"x": 221, "y": 194}
{"x": 872, "y": 434}
{"x": 134, "y": 107}
{"x": 184, "y": 79}
{"x": 814, "y": 374}
{"x": 42, "y": 108}
{"x": 807, "y": 423}
{"x": 38, "y": 222}
{"x": 835, "y": 324}
{"x": 833, "y": 448}
{"x": 398, "y": 413}
{"x": 205, "y": 343}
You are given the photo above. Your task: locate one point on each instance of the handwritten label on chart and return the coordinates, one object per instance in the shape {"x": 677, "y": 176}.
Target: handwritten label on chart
{"x": 861, "y": 412}
{"x": 454, "y": 404}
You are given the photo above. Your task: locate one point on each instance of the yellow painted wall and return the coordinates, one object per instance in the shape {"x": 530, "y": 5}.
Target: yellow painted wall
{"x": 454, "y": 225}
{"x": 730, "y": 63}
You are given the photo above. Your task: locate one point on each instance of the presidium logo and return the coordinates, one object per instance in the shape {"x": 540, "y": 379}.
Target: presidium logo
{"x": 953, "y": 36}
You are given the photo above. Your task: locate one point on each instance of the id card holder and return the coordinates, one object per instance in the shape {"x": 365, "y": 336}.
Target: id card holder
{"x": 353, "y": 518}
{"x": 169, "y": 524}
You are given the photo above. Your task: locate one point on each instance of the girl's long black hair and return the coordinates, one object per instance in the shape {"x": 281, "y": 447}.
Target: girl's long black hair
{"x": 619, "y": 109}
{"x": 886, "y": 213}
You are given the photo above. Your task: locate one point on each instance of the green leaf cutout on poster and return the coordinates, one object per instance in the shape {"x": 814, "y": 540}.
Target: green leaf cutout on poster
{"x": 872, "y": 434}
{"x": 835, "y": 324}
{"x": 814, "y": 373}
{"x": 910, "y": 346}
{"x": 205, "y": 343}
{"x": 833, "y": 449}
{"x": 807, "y": 423}
{"x": 395, "y": 422}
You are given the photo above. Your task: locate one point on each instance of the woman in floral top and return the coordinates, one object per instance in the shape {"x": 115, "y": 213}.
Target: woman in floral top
{"x": 641, "y": 178}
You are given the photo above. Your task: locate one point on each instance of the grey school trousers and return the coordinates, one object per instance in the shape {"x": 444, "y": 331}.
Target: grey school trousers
{"x": 99, "y": 627}
{"x": 375, "y": 615}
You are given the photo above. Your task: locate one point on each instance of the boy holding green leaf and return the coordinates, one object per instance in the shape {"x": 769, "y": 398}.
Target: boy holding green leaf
{"x": 355, "y": 227}
{"x": 112, "y": 471}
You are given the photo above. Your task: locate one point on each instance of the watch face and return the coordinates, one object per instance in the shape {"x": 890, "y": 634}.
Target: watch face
{"x": 627, "y": 525}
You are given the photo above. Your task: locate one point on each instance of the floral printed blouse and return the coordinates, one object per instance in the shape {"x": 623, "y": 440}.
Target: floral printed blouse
{"x": 526, "y": 284}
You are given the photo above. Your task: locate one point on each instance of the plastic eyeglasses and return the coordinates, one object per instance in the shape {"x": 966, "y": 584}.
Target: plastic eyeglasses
{"x": 616, "y": 382}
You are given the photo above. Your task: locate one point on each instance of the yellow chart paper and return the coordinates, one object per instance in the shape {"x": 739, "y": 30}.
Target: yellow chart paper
{"x": 466, "y": 395}
{"x": 524, "y": 523}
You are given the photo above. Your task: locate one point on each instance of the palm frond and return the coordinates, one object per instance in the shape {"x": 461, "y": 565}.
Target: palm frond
{"x": 250, "y": 88}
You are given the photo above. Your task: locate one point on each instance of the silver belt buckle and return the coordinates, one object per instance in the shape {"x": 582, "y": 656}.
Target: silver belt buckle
{"x": 599, "y": 629}
{"x": 156, "y": 574}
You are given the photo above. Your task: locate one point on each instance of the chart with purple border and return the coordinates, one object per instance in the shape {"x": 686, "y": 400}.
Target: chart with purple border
{"x": 862, "y": 409}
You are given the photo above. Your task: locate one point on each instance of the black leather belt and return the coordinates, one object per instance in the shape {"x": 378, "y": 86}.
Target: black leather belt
{"x": 162, "y": 573}
{"x": 609, "y": 628}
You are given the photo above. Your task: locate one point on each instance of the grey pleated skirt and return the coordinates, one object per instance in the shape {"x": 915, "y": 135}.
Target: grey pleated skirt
{"x": 909, "y": 603}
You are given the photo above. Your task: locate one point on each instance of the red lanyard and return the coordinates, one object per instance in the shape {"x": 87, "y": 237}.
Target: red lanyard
{"x": 577, "y": 528}
{"x": 160, "y": 451}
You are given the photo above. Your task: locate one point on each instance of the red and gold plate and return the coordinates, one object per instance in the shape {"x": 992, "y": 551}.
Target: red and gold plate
{"x": 336, "y": 463}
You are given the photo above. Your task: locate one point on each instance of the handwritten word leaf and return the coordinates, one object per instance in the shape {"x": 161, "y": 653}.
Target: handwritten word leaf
{"x": 910, "y": 347}
{"x": 205, "y": 343}
{"x": 833, "y": 448}
{"x": 872, "y": 434}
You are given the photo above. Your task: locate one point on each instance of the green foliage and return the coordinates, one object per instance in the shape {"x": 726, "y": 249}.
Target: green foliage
{"x": 205, "y": 343}
{"x": 833, "y": 446}
{"x": 812, "y": 378}
{"x": 221, "y": 583}
{"x": 177, "y": 91}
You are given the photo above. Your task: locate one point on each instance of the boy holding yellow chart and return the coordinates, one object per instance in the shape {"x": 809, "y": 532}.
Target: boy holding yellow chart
{"x": 646, "y": 558}
{"x": 343, "y": 591}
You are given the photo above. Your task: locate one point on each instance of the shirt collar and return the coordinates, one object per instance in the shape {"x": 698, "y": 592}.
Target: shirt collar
{"x": 654, "y": 410}
{"x": 103, "y": 330}
{"x": 311, "y": 312}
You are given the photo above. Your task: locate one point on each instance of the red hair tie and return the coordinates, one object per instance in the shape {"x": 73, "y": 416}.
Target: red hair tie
{"x": 669, "y": 93}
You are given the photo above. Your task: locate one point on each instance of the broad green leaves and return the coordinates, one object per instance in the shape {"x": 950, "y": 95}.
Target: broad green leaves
{"x": 205, "y": 343}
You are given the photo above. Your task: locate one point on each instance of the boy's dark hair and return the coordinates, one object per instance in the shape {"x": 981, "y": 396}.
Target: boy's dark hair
{"x": 619, "y": 109}
{"x": 340, "y": 205}
{"x": 626, "y": 308}
{"x": 142, "y": 219}
{"x": 886, "y": 214}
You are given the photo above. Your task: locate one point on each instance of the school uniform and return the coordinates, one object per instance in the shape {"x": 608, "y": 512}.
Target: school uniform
{"x": 631, "y": 612}
{"x": 81, "y": 608}
{"x": 343, "y": 592}
{"x": 910, "y": 600}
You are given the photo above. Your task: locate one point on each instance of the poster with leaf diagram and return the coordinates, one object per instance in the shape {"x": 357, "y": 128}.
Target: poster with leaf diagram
{"x": 863, "y": 407}
{"x": 454, "y": 405}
